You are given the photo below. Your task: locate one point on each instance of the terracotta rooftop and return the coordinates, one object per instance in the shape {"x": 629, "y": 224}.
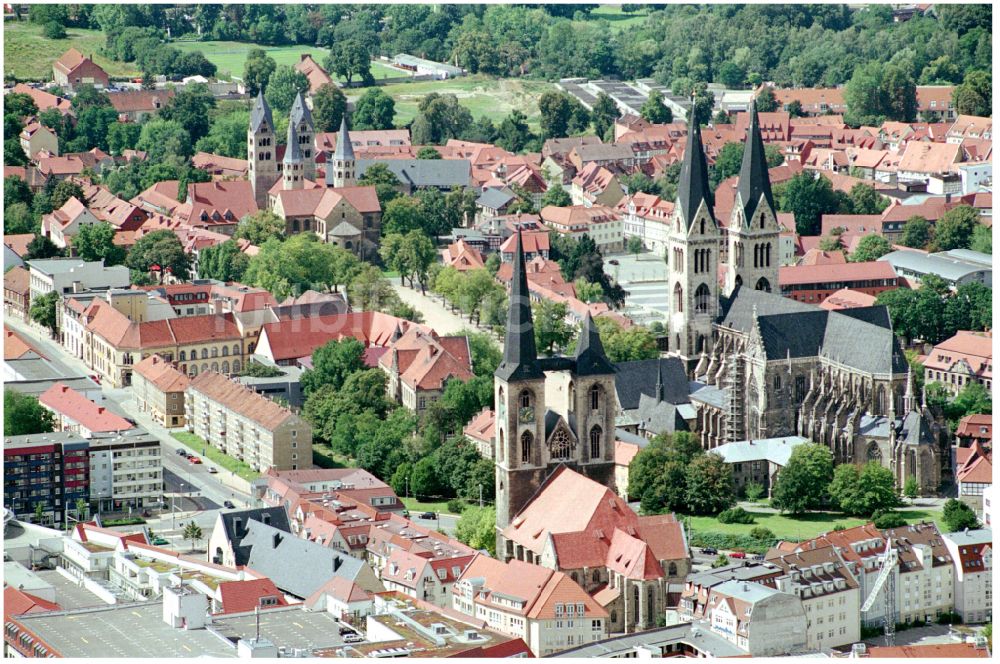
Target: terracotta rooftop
{"x": 73, "y": 405}
{"x": 248, "y": 595}
{"x": 920, "y": 157}
{"x": 847, "y": 298}
{"x": 131, "y": 101}
{"x": 240, "y": 399}
{"x": 43, "y": 100}
{"x": 19, "y": 243}
{"x": 162, "y": 374}
{"x": 820, "y": 274}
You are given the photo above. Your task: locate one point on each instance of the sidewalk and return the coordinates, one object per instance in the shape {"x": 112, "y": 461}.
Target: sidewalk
{"x": 436, "y": 315}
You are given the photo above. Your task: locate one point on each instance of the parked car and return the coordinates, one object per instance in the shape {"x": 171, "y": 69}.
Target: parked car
{"x": 159, "y": 541}
{"x": 347, "y": 630}
{"x": 708, "y": 551}
{"x": 353, "y": 638}
{"x": 213, "y": 469}
{"x": 759, "y": 556}
{"x": 737, "y": 554}
{"x": 428, "y": 515}
{"x": 194, "y": 459}
{"x": 182, "y": 452}
{"x": 228, "y": 504}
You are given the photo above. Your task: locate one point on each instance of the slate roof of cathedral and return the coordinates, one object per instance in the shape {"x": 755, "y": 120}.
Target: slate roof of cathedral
{"x": 639, "y": 377}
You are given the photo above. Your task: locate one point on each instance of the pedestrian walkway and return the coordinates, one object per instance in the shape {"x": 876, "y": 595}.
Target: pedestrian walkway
{"x": 436, "y": 315}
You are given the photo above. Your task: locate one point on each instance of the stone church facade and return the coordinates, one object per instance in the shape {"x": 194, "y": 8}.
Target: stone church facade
{"x": 772, "y": 367}
{"x": 535, "y": 435}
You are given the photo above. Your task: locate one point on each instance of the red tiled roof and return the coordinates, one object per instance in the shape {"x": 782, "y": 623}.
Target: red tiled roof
{"x": 292, "y": 339}
{"x": 162, "y": 374}
{"x": 72, "y": 405}
{"x": 939, "y": 651}
{"x": 461, "y": 256}
{"x": 818, "y": 274}
{"x": 245, "y": 596}
{"x": 19, "y": 242}
{"x": 214, "y": 163}
{"x": 43, "y": 100}
{"x": 17, "y": 603}
{"x": 980, "y": 471}
{"x": 847, "y": 298}
{"x": 531, "y": 243}
{"x": 971, "y": 426}
{"x": 241, "y": 399}
{"x": 14, "y": 345}
{"x": 482, "y": 425}
{"x": 220, "y": 202}
{"x": 975, "y": 349}
{"x": 316, "y": 75}
{"x": 130, "y": 101}
{"x": 17, "y": 279}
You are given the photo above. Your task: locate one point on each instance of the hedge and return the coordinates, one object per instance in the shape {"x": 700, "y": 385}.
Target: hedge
{"x": 730, "y": 542}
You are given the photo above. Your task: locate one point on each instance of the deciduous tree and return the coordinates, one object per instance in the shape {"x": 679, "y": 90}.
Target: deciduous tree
{"x": 802, "y": 483}
{"x": 22, "y": 415}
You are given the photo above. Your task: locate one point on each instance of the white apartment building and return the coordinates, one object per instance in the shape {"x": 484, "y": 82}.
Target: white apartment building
{"x": 829, "y": 593}
{"x": 246, "y": 425}
{"x": 926, "y": 584}
{"x": 647, "y": 217}
{"x": 66, "y": 275}
{"x": 126, "y": 470}
{"x": 547, "y": 609}
{"x": 972, "y": 551}
{"x": 600, "y": 222}
{"x": 759, "y": 620}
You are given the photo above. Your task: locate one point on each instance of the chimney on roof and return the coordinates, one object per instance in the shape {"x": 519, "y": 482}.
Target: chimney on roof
{"x": 100, "y": 410}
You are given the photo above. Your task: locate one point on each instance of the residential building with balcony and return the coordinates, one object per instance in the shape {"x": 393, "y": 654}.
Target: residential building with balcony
{"x": 972, "y": 551}
{"x": 159, "y": 390}
{"x": 47, "y": 469}
{"x": 126, "y": 470}
{"x": 245, "y": 425}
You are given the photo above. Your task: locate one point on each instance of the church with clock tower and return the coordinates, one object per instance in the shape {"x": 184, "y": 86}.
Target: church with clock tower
{"x": 551, "y": 411}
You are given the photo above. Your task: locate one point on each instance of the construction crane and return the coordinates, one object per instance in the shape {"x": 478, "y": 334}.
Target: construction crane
{"x": 885, "y": 580}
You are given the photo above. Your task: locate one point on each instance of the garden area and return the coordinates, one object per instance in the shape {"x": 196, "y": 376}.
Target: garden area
{"x": 29, "y": 54}
{"x": 200, "y": 447}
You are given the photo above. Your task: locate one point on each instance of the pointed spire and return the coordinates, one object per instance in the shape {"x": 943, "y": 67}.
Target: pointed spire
{"x": 520, "y": 358}
{"x": 909, "y": 401}
{"x": 300, "y": 111}
{"x": 590, "y": 357}
{"x": 261, "y": 113}
{"x": 293, "y": 151}
{"x": 693, "y": 187}
{"x": 344, "y": 150}
{"x": 754, "y": 179}
{"x": 659, "y": 377}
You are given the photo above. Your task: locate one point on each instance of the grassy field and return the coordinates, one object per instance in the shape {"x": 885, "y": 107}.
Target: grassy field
{"x": 416, "y": 507}
{"x": 199, "y": 446}
{"x": 229, "y": 56}
{"x": 804, "y": 527}
{"x": 618, "y": 18}
{"x": 29, "y": 56}
{"x": 324, "y": 457}
{"x": 482, "y": 95}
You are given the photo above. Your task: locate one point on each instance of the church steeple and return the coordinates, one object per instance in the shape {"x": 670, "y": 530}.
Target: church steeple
{"x": 693, "y": 187}
{"x": 291, "y": 172}
{"x": 659, "y": 378}
{"x": 590, "y": 357}
{"x": 754, "y": 179}
{"x": 340, "y": 167}
{"x": 520, "y": 358}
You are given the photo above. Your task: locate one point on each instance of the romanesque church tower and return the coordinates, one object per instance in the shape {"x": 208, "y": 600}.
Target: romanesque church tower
{"x": 301, "y": 118}
{"x": 535, "y": 434}
{"x": 293, "y": 164}
{"x": 693, "y": 255}
{"x": 340, "y": 168}
{"x": 262, "y": 151}
{"x": 753, "y": 226}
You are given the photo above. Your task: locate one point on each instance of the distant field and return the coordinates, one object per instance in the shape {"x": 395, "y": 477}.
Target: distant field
{"x": 618, "y": 18}
{"x": 29, "y": 56}
{"x": 229, "y": 56}
{"x": 492, "y": 97}
{"x": 805, "y": 527}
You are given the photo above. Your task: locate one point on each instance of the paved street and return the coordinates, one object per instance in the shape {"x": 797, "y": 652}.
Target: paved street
{"x": 436, "y": 315}
{"x": 198, "y": 488}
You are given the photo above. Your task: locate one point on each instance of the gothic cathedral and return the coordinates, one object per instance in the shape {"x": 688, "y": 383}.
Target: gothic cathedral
{"x": 550, "y": 411}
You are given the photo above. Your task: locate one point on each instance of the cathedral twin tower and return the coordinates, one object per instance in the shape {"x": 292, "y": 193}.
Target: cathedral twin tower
{"x": 695, "y": 241}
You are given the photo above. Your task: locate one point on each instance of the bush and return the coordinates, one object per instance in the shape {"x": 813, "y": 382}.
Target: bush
{"x": 839, "y": 527}
{"x": 456, "y": 506}
{"x": 128, "y": 521}
{"x": 753, "y": 491}
{"x": 949, "y": 618}
{"x": 763, "y": 534}
{"x": 883, "y": 519}
{"x": 721, "y": 561}
{"x": 735, "y": 515}
{"x": 54, "y": 30}
{"x": 729, "y": 541}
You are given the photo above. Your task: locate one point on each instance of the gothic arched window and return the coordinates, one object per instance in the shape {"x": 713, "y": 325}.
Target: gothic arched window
{"x": 763, "y": 285}
{"x": 678, "y": 298}
{"x": 762, "y": 220}
{"x": 595, "y": 397}
{"x": 525, "y": 399}
{"x": 561, "y": 445}
{"x": 702, "y": 298}
{"x": 500, "y": 446}
{"x": 526, "y": 440}
{"x": 874, "y": 453}
{"x": 595, "y": 443}
{"x": 702, "y": 226}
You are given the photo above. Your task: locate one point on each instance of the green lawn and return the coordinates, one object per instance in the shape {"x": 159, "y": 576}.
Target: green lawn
{"x": 618, "y": 18}
{"x": 28, "y": 55}
{"x": 200, "y": 447}
{"x": 415, "y": 506}
{"x": 324, "y": 457}
{"x": 803, "y": 527}
{"x": 229, "y": 56}
{"x": 482, "y": 95}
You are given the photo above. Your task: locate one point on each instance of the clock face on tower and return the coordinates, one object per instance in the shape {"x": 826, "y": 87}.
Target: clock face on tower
{"x": 526, "y": 414}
